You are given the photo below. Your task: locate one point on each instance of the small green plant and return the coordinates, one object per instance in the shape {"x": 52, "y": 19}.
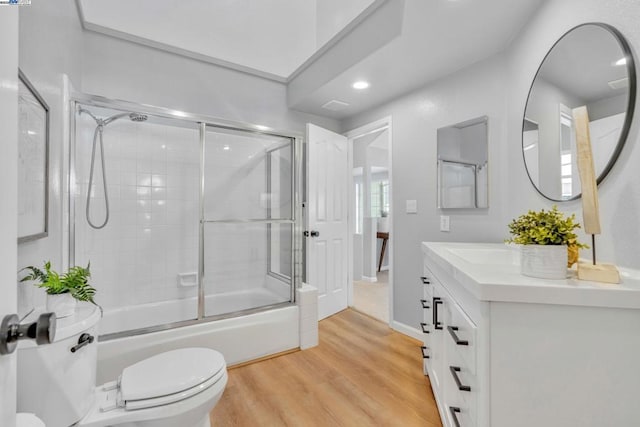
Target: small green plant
{"x": 545, "y": 228}
{"x": 75, "y": 281}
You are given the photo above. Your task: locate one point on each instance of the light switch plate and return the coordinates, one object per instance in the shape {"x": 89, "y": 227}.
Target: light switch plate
{"x": 412, "y": 206}
{"x": 444, "y": 222}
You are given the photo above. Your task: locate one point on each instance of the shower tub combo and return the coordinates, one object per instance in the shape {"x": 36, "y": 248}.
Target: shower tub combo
{"x": 190, "y": 225}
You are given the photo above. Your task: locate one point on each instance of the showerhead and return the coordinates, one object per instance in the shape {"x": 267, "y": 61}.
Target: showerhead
{"x": 134, "y": 117}
{"x": 137, "y": 117}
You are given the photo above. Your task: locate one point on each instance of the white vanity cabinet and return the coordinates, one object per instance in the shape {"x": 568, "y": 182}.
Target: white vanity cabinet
{"x": 505, "y": 350}
{"x": 450, "y": 346}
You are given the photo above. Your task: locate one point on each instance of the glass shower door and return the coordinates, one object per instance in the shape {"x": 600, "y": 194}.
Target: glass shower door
{"x": 144, "y": 260}
{"x": 248, "y": 220}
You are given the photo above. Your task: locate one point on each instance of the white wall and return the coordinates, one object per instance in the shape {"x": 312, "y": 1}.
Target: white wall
{"x": 476, "y": 91}
{"x": 8, "y": 194}
{"x": 607, "y": 107}
{"x": 123, "y": 70}
{"x": 50, "y": 39}
{"x": 619, "y": 193}
{"x": 275, "y": 36}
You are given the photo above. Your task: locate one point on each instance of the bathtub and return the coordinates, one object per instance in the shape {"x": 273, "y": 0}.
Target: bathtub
{"x": 239, "y": 339}
{"x": 165, "y": 312}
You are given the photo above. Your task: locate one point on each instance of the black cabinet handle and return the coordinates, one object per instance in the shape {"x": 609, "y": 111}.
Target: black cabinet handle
{"x": 424, "y": 303}
{"x": 436, "y": 302}
{"x": 452, "y": 330}
{"x": 425, "y": 280}
{"x": 454, "y": 371}
{"x": 454, "y": 410}
{"x": 424, "y": 355}
{"x": 85, "y": 339}
{"x": 423, "y": 326}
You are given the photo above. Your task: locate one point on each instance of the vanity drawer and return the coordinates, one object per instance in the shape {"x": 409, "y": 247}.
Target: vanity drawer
{"x": 426, "y": 357}
{"x": 425, "y": 302}
{"x": 461, "y": 337}
{"x": 461, "y": 391}
{"x": 427, "y": 281}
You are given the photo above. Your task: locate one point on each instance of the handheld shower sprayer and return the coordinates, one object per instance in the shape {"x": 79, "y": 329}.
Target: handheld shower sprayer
{"x": 100, "y": 125}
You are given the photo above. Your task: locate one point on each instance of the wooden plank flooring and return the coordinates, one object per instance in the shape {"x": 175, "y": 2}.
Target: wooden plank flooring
{"x": 362, "y": 374}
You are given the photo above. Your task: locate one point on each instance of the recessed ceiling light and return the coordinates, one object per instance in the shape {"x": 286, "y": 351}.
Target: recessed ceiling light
{"x": 262, "y": 127}
{"x": 360, "y": 84}
{"x": 226, "y": 148}
{"x": 622, "y": 61}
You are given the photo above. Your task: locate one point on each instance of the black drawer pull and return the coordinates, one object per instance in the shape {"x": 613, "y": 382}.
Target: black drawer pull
{"x": 454, "y": 410}
{"x": 454, "y": 371}
{"x": 425, "y": 280}
{"x": 424, "y": 355}
{"x": 452, "y": 330}
{"x": 436, "y": 323}
{"x": 423, "y": 326}
{"x": 424, "y": 303}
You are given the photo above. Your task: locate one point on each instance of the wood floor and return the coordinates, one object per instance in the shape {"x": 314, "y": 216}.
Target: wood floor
{"x": 362, "y": 374}
{"x": 373, "y": 298}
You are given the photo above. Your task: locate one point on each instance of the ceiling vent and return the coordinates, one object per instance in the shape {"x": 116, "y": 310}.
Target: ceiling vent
{"x": 619, "y": 84}
{"x": 335, "y": 105}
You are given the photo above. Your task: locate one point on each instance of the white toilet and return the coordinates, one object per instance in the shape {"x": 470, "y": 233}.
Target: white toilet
{"x": 56, "y": 382}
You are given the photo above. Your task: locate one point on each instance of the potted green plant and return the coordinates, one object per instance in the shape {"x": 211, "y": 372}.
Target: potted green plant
{"x": 62, "y": 290}
{"x": 547, "y": 239}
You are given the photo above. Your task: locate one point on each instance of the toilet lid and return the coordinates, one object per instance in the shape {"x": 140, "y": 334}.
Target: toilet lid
{"x": 170, "y": 373}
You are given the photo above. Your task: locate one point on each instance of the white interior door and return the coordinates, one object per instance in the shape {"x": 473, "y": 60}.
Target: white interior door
{"x": 8, "y": 195}
{"x": 327, "y": 186}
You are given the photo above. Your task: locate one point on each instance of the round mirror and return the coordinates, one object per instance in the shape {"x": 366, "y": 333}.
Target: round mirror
{"x": 592, "y": 66}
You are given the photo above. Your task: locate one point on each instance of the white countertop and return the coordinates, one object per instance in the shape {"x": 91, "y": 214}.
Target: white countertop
{"x": 491, "y": 272}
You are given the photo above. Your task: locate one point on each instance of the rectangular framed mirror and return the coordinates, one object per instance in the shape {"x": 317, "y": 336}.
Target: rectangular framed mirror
{"x": 463, "y": 165}
{"x": 33, "y": 162}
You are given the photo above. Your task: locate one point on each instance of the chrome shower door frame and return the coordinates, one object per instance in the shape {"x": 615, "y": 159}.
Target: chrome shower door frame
{"x": 202, "y": 122}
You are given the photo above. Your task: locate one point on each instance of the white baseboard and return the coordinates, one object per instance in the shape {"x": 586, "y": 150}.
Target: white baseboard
{"x": 369, "y": 279}
{"x": 407, "y": 330}
{"x": 384, "y": 268}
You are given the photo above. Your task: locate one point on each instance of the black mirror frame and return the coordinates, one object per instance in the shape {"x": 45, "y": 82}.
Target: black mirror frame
{"x": 631, "y": 102}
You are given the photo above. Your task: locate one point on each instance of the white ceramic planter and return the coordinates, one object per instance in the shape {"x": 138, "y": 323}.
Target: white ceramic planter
{"x": 544, "y": 261}
{"x": 64, "y": 305}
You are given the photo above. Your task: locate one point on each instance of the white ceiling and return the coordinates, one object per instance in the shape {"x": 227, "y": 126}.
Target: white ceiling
{"x": 438, "y": 38}
{"x": 272, "y": 38}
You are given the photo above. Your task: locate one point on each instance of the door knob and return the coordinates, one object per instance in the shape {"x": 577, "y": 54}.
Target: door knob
{"x": 313, "y": 233}
{"x": 11, "y": 331}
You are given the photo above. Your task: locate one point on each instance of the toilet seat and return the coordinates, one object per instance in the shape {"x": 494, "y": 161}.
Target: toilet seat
{"x": 199, "y": 396}
{"x": 169, "y": 377}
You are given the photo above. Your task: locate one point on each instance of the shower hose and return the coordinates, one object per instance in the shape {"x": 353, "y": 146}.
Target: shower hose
{"x": 96, "y": 133}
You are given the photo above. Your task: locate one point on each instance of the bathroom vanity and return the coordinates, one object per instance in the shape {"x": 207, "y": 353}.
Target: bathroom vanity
{"x": 505, "y": 350}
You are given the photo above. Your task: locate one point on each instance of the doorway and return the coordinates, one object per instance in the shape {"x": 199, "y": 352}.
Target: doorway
{"x": 370, "y": 219}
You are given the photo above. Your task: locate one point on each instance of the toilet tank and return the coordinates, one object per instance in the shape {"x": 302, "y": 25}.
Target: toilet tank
{"x": 55, "y": 383}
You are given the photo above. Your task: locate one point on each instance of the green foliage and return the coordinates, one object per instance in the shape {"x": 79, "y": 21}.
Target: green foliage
{"x": 545, "y": 228}
{"x": 75, "y": 281}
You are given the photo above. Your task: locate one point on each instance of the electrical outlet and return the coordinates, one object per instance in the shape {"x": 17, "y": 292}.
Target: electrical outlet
{"x": 444, "y": 222}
